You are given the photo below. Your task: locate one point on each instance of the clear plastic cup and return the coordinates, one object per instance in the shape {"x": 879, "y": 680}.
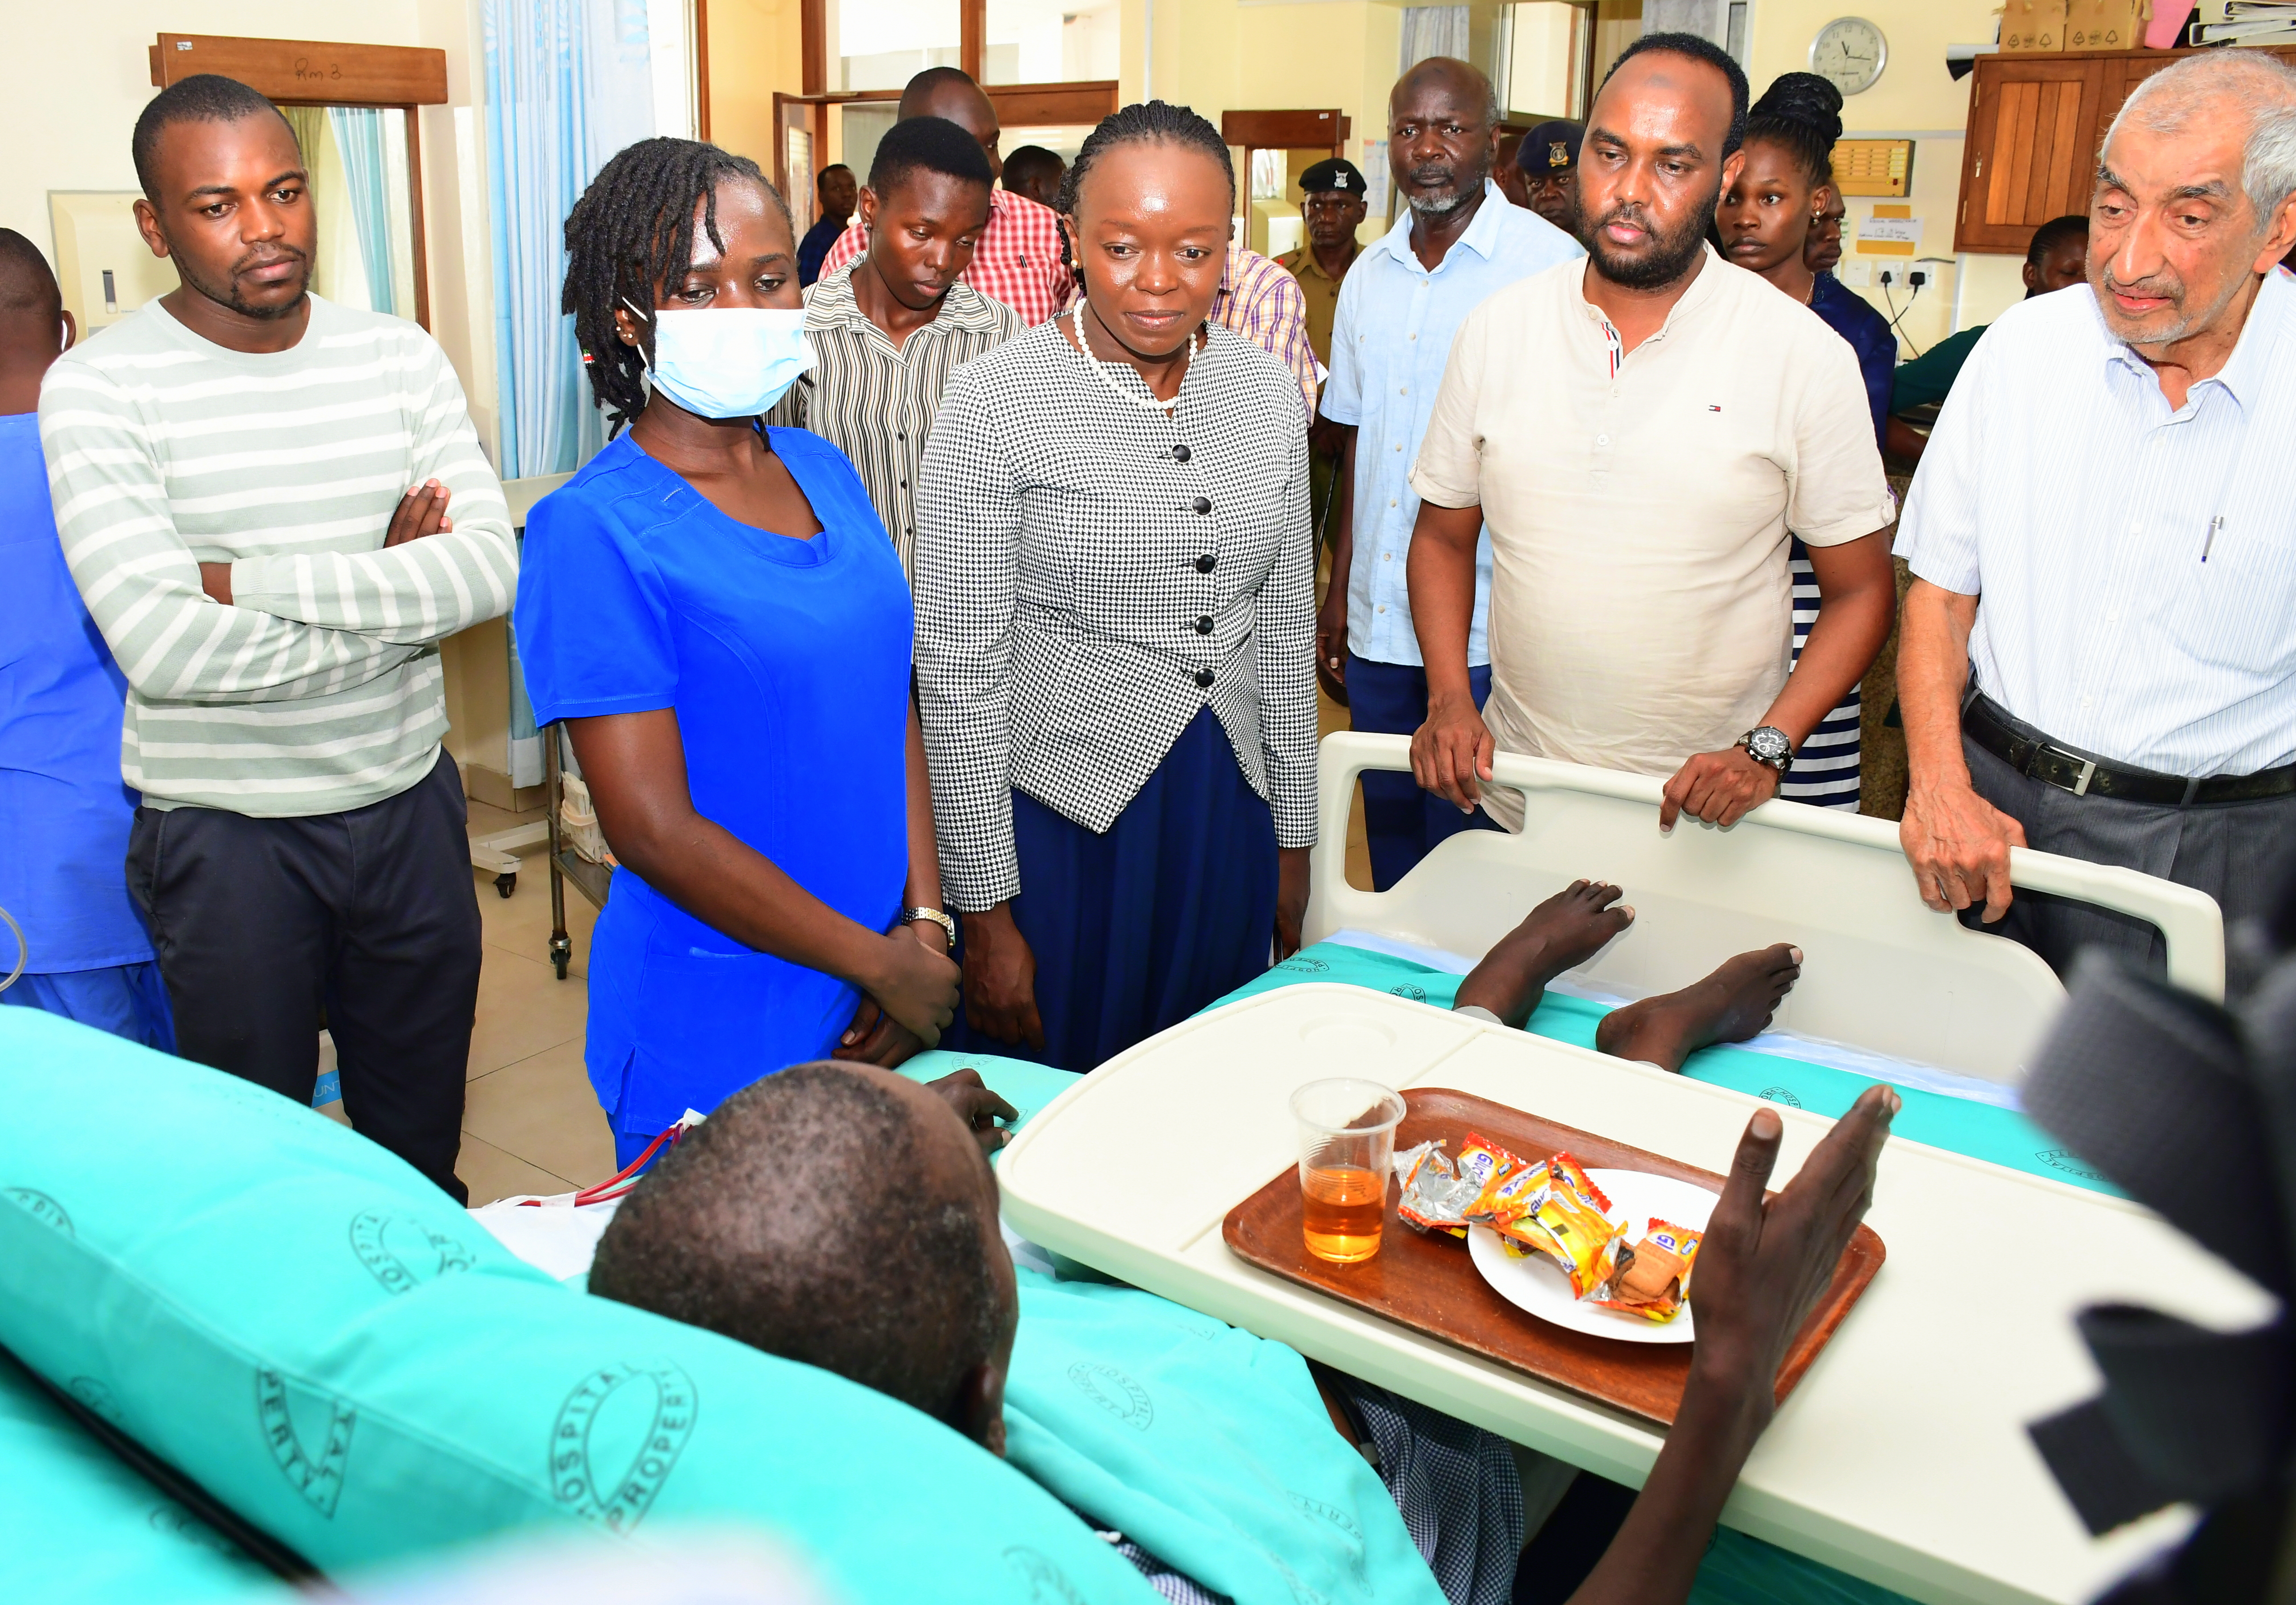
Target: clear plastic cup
{"x": 1347, "y": 1148}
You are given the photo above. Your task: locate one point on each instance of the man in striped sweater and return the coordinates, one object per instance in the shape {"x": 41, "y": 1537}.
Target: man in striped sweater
{"x": 230, "y": 468}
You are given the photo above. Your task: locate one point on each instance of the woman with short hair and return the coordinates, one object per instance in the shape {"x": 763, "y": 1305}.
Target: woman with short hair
{"x": 1114, "y": 626}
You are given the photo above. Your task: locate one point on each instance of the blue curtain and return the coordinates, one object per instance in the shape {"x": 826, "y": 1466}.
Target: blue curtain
{"x": 359, "y": 133}
{"x": 569, "y": 83}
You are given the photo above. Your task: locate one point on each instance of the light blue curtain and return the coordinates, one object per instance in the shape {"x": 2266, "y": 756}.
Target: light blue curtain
{"x": 359, "y": 133}
{"x": 569, "y": 83}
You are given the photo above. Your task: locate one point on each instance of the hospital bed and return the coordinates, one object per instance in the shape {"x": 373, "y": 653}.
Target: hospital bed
{"x": 1901, "y": 1458}
{"x": 1880, "y": 970}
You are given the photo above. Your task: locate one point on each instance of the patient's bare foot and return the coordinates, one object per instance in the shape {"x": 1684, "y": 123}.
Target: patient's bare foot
{"x": 1730, "y": 1005}
{"x": 1567, "y": 929}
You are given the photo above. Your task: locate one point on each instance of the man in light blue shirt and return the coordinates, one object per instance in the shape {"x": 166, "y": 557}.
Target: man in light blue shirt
{"x": 2097, "y": 657}
{"x": 1403, "y": 300}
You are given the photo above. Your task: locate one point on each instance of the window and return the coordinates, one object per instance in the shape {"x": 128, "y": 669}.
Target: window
{"x": 1051, "y": 41}
{"x": 1547, "y": 44}
{"x": 883, "y": 43}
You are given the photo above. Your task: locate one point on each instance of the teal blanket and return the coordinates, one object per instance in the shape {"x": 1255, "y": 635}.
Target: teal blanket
{"x": 1981, "y": 1130}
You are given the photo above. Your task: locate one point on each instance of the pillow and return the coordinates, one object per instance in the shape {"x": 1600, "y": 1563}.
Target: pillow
{"x": 84, "y": 1528}
{"x": 299, "y": 1322}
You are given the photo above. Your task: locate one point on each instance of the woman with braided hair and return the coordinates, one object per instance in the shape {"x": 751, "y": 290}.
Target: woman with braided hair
{"x": 716, "y": 612}
{"x": 1114, "y": 613}
{"x": 1765, "y": 222}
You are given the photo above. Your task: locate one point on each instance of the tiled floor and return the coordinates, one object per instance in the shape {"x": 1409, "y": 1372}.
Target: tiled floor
{"x": 530, "y": 1124}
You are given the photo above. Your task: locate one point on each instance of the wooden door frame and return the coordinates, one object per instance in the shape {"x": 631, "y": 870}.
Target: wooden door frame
{"x": 1314, "y": 128}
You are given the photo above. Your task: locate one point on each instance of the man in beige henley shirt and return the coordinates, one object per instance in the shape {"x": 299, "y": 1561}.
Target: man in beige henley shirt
{"x": 1640, "y": 431}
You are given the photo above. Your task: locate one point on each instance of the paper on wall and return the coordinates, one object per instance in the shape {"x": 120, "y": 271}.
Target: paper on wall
{"x": 1880, "y": 236}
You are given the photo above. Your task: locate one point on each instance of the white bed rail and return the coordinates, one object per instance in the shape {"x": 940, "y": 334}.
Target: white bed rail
{"x": 1880, "y": 970}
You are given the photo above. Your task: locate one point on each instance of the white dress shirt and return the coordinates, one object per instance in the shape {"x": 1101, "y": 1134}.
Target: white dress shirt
{"x": 2062, "y": 489}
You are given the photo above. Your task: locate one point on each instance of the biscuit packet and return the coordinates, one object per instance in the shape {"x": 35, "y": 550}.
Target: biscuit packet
{"x": 1566, "y": 1217}
{"x": 1652, "y": 1277}
{"x": 1438, "y": 1192}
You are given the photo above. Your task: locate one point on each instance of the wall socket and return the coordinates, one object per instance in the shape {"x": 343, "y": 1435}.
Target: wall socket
{"x": 1856, "y": 274}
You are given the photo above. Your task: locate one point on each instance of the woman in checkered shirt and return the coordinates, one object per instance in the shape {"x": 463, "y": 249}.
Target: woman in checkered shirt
{"x": 1115, "y": 617}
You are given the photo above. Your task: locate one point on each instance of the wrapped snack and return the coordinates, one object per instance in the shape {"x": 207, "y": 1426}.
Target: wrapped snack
{"x": 1653, "y": 1278}
{"x": 1438, "y": 1194}
{"x": 1567, "y": 1218}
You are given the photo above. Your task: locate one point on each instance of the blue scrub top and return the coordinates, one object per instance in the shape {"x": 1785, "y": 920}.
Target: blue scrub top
{"x": 1852, "y": 317}
{"x": 64, "y": 813}
{"x": 787, "y": 663}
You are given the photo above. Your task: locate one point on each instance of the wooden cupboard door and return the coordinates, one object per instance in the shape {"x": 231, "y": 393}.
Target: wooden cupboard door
{"x": 2031, "y": 150}
{"x": 2128, "y": 68}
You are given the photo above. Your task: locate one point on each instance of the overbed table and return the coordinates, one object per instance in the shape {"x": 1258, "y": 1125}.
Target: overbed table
{"x": 1902, "y": 1456}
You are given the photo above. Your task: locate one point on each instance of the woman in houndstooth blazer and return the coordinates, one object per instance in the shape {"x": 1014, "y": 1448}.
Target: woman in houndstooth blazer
{"x": 1115, "y": 620}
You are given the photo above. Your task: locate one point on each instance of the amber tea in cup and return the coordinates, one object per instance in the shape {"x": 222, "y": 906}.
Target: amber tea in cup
{"x": 1346, "y": 1147}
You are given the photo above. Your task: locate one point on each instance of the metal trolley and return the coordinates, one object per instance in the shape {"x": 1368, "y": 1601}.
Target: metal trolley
{"x": 499, "y": 851}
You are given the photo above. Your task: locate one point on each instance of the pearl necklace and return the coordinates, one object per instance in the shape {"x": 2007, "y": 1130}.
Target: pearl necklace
{"x": 1100, "y": 370}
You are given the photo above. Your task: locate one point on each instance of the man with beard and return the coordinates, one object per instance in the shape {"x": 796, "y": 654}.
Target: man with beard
{"x": 2097, "y": 658}
{"x": 1458, "y": 242}
{"x": 231, "y": 467}
{"x": 1689, "y": 416}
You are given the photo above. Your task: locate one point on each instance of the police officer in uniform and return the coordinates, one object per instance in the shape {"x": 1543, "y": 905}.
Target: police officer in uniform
{"x": 1332, "y": 200}
{"x": 1548, "y": 157}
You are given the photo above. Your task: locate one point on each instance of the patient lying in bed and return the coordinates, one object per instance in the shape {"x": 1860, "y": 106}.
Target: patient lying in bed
{"x": 840, "y": 1216}
{"x": 1733, "y": 1005}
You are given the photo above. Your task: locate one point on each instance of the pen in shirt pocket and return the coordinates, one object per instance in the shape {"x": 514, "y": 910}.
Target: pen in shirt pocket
{"x": 2216, "y": 526}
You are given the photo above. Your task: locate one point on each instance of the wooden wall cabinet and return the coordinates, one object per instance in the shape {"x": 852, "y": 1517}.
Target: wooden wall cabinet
{"x": 2035, "y": 124}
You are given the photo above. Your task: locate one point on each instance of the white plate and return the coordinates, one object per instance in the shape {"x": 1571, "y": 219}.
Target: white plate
{"x": 1538, "y": 1285}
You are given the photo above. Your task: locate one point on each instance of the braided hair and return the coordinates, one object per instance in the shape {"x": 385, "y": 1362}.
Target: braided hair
{"x": 1802, "y": 113}
{"x": 1143, "y": 122}
{"x": 632, "y": 234}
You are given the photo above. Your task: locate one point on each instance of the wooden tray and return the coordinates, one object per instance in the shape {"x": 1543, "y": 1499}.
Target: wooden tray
{"x": 1429, "y": 1283}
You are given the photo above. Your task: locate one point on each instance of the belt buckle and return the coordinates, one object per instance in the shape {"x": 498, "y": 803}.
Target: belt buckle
{"x": 2079, "y": 787}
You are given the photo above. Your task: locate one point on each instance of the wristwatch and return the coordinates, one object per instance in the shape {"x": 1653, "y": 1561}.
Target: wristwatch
{"x": 910, "y": 916}
{"x": 1767, "y": 745}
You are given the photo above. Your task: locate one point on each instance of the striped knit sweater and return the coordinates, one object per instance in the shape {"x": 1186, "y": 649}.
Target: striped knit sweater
{"x": 319, "y": 689}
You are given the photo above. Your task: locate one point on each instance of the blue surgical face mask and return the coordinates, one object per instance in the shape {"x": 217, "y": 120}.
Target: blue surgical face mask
{"x": 728, "y": 362}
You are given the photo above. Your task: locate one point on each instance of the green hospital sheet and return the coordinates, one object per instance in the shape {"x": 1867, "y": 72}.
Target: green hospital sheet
{"x": 1981, "y": 1131}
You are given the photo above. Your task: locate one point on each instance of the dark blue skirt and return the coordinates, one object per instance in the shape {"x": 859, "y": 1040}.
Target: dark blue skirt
{"x": 1136, "y": 929}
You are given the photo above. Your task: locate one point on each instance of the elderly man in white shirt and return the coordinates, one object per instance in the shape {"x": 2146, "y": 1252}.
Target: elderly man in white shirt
{"x": 2099, "y": 648}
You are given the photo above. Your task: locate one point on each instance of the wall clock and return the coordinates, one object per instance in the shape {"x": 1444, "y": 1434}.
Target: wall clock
{"x": 1851, "y": 52}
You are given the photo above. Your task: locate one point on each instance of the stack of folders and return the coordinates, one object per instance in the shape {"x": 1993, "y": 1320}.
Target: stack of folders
{"x": 2251, "y": 22}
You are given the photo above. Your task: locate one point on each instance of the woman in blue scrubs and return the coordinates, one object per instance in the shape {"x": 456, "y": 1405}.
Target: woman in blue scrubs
{"x": 716, "y": 612}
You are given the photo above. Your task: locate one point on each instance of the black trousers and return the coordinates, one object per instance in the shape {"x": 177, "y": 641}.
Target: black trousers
{"x": 259, "y": 923}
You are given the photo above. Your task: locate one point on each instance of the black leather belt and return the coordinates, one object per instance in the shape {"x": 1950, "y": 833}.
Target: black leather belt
{"x": 2030, "y": 753}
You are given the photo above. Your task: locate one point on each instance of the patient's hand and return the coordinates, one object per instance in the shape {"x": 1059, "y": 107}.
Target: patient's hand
{"x": 979, "y": 1108}
{"x": 1763, "y": 1264}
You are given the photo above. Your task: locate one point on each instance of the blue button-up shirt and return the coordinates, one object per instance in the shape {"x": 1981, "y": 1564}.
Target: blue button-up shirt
{"x": 2135, "y": 563}
{"x": 1389, "y": 340}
